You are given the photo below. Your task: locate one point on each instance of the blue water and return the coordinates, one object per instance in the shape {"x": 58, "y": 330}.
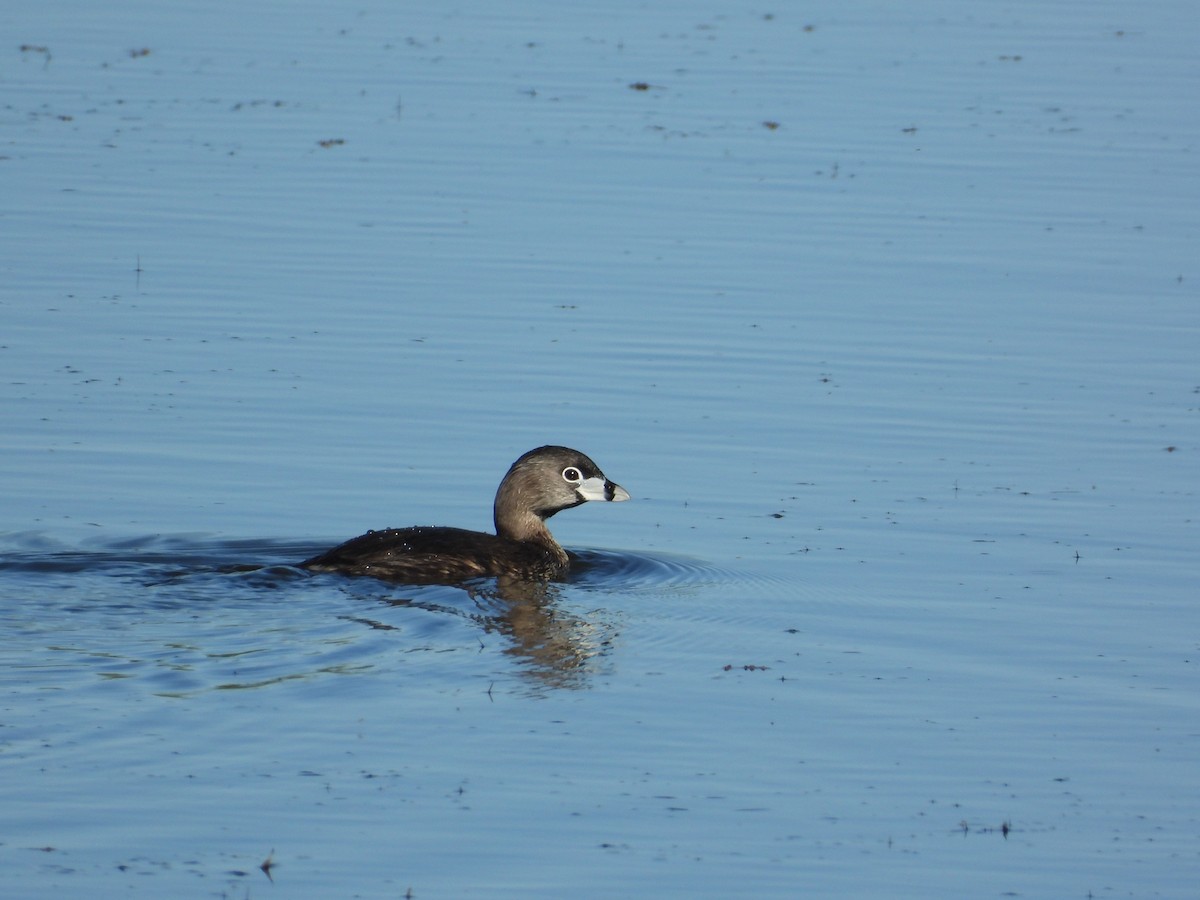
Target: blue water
{"x": 885, "y": 315}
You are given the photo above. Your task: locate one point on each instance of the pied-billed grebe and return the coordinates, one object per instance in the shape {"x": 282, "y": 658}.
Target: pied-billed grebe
{"x": 538, "y": 485}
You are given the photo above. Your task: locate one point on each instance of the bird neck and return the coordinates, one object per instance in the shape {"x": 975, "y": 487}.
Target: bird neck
{"x": 523, "y": 526}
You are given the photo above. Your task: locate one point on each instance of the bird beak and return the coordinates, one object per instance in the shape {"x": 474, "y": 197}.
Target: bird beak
{"x": 601, "y": 489}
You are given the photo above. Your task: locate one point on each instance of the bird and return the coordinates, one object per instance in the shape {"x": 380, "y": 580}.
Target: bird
{"x": 542, "y": 482}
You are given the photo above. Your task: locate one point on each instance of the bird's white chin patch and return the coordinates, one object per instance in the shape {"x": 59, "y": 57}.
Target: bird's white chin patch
{"x": 599, "y": 489}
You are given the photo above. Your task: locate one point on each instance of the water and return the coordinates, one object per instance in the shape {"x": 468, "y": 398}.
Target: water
{"x": 885, "y": 316}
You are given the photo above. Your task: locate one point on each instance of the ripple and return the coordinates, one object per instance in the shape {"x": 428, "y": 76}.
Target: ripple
{"x": 267, "y": 562}
{"x": 187, "y": 614}
{"x": 624, "y": 570}
{"x": 184, "y": 554}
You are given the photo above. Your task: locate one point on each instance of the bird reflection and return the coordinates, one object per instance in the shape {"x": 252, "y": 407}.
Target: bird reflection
{"x": 553, "y": 645}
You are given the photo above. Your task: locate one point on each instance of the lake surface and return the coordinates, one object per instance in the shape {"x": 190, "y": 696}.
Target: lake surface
{"x": 886, "y": 315}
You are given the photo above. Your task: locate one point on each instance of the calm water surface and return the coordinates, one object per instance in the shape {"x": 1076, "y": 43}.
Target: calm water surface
{"x": 886, "y": 316}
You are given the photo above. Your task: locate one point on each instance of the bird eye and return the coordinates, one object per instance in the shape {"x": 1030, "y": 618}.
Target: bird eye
{"x": 572, "y": 474}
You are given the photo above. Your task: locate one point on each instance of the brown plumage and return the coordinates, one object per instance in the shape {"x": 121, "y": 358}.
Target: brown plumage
{"x": 539, "y": 484}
